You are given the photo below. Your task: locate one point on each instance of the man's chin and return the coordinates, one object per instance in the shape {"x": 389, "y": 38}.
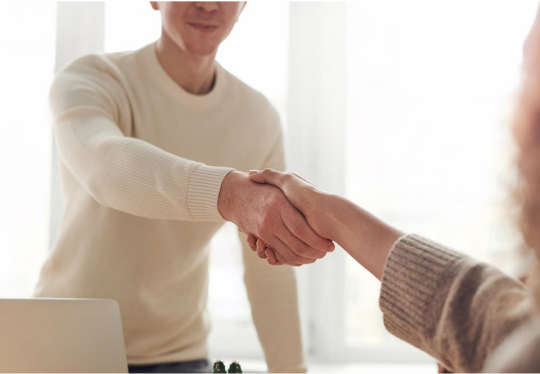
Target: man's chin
{"x": 203, "y": 51}
{"x": 208, "y": 53}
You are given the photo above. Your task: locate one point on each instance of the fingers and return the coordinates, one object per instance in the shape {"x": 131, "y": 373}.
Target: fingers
{"x": 268, "y": 176}
{"x": 285, "y": 255}
{"x": 299, "y": 247}
{"x": 260, "y": 249}
{"x": 271, "y": 257}
{"x": 252, "y": 242}
{"x": 258, "y": 246}
{"x": 280, "y": 260}
{"x": 265, "y": 252}
{"x": 297, "y": 225}
{"x": 276, "y": 178}
{"x": 304, "y": 179}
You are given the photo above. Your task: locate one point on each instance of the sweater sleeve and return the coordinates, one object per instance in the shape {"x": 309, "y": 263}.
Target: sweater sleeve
{"x": 119, "y": 171}
{"x": 273, "y": 296}
{"x": 449, "y": 305}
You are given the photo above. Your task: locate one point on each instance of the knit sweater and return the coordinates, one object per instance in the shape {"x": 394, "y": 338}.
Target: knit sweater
{"x": 467, "y": 314}
{"x": 142, "y": 162}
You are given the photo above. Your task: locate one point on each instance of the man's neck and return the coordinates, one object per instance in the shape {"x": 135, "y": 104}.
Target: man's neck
{"x": 194, "y": 74}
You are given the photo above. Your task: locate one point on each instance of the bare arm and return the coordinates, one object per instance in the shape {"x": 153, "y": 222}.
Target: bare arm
{"x": 448, "y": 304}
{"x": 366, "y": 238}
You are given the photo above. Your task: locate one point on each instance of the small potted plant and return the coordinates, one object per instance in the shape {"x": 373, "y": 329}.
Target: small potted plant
{"x": 219, "y": 367}
{"x": 235, "y": 368}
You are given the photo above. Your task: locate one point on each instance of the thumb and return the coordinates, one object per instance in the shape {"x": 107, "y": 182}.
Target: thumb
{"x": 268, "y": 176}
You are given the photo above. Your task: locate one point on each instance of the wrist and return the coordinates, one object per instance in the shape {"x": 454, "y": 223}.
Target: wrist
{"x": 365, "y": 237}
{"x": 228, "y": 194}
{"x": 332, "y": 219}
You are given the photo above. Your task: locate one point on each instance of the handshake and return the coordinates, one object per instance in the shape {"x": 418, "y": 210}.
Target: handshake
{"x": 282, "y": 213}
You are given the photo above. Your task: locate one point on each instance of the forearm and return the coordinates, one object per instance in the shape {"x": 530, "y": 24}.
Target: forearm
{"x": 365, "y": 237}
{"x": 134, "y": 176}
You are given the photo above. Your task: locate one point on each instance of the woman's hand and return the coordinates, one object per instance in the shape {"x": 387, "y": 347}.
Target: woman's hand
{"x": 365, "y": 237}
{"x": 303, "y": 195}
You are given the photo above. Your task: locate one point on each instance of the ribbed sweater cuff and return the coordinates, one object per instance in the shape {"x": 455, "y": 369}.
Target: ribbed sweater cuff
{"x": 413, "y": 278}
{"x": 203, "y": 192}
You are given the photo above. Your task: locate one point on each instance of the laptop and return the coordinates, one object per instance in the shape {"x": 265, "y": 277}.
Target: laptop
{"x": 61, "y": 335}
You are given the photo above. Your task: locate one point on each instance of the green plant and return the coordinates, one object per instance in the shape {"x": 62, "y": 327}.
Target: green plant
{"x": 218, "y": 367}
{"x": 235, "y": 368}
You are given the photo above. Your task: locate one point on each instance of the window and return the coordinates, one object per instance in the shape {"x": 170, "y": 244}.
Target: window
{"x": 401, "y": 106}
{"x": 28, "y": 36}
{"x": 428, "y": 146}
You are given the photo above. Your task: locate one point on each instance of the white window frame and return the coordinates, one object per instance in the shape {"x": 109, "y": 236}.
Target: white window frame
{"x": 314, "y": 124}
{"x": 317, "y": 121}
{"x": 79, "y": 31}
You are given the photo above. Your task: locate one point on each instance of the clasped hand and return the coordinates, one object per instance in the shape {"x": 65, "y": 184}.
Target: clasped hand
{"x": 262, "y": 210}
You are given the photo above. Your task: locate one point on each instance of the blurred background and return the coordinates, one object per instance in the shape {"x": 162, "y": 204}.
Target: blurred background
{"x": 402, "y": 107}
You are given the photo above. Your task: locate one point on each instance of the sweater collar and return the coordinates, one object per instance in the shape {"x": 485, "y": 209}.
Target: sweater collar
{"x": 179, "y": 94}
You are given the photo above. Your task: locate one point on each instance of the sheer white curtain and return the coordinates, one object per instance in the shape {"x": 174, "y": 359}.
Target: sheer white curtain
{"x": 79, "y": 31}
{"x": 428, "y": 145}
{"x": 27, "y": 41}
{"x": 403, "y": 107}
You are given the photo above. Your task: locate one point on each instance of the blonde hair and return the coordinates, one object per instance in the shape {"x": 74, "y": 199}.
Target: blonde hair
{"x": 526, "y": 129}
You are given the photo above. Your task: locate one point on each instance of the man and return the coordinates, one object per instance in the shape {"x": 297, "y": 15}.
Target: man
{"x": 150, "y": 143}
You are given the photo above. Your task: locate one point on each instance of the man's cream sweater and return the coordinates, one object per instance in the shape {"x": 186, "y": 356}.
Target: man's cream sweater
{"x": 142, "y": 162}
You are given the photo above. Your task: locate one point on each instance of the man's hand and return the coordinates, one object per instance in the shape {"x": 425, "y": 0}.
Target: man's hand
{"x": 263, "y": 210}
{"x": 302, "y": 194}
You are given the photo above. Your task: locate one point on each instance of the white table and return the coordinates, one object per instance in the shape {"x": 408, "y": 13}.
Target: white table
{"x": 255, "y": 367}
